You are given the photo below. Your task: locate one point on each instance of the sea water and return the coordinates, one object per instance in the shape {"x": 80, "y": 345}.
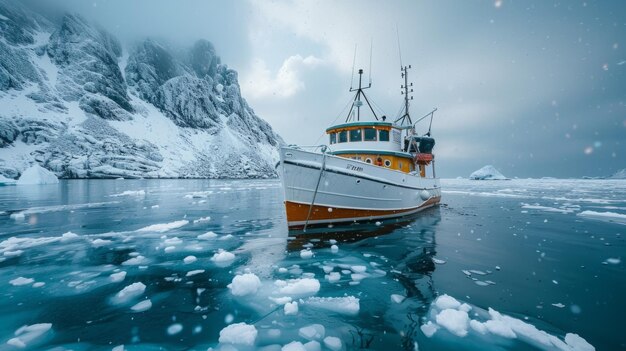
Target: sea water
{"x": 200, "y": 264}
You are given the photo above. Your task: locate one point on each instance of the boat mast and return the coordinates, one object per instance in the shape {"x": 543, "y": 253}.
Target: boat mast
{"x": 357, "y": 100}
{"x": 405, "y": 119}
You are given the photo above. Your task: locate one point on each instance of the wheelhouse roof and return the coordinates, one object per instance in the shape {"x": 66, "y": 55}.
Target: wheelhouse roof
{"x": 361, "y": 124}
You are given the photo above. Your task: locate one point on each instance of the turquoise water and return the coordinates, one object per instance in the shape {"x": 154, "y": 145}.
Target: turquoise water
{"x": 548, "y": 255}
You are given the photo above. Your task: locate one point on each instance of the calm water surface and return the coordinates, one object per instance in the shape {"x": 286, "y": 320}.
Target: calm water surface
{"x": 96, "y": 264}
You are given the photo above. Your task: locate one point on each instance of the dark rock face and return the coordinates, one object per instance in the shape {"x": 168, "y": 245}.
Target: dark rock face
{"x": 84, "y": 108}
{"x": 89, "y": 71}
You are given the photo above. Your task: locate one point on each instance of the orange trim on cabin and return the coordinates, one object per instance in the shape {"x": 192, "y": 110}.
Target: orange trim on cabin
{"x": 404, "y": 164}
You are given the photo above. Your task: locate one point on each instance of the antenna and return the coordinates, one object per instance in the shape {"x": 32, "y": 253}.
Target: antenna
{"x": 406, "y": 117}
{"x": 353, "y": 61}
{"x": 371, "y": 44}
{"x": 399, "y": 51}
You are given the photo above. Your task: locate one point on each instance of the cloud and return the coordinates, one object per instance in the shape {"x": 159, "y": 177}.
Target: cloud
{"x": 261, "y": 83}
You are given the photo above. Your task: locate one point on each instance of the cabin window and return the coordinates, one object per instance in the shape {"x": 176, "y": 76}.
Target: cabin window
{"x": 355, "y": 135}
{"x": 368, "y": 160}
{"x": 383, "y": 135}
{"x": 370, "y": 134}
{"x": 387, "y": 163}
{"x": 343, "y": 137}
{"x": 333, "y": 138}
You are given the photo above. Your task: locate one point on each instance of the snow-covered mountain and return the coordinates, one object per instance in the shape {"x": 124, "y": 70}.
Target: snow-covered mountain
{"x": 77, "y": 103}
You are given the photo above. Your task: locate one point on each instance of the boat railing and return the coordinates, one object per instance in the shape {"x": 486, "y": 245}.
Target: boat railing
{"x": 314, "y": 148}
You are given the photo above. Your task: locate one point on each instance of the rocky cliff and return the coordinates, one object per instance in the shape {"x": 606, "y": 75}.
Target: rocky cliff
{"x": 78, "y": 103}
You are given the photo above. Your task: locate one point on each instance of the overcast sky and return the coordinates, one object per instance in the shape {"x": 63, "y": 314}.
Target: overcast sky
{"x": 536, "y": 88}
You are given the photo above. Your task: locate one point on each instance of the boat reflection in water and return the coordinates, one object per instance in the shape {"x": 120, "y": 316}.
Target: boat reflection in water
{"x": 408, "y": 246}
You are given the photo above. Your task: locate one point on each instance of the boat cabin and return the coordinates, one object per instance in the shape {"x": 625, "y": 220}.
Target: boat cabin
{"x": 378, "y": 143}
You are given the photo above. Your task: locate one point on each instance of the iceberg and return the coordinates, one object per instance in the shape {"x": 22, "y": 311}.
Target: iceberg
{"x": 488, "y": 172}
{"x": 621, "y": 174}
{"x": 37, "y": 175}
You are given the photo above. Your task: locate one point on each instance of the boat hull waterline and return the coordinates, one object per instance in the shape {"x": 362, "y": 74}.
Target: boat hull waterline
{"x": 348, "y": 190}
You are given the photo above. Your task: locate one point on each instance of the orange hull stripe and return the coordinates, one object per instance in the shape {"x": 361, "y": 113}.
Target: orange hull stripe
{"x": 297, "y": 212}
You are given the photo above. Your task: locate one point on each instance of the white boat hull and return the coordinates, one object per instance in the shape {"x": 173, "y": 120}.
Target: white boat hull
{"x": 348, "y": 190}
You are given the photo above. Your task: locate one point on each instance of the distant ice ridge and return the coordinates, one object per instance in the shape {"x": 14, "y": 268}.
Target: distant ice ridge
{"x": 488, "y": 172}
{"x": 77, "y": 103}
{"x": 449, "y": 314}
{"x": 621, "y": 174}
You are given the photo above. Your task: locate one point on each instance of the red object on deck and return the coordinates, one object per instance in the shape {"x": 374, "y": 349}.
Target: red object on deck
{"x": 423, "y": 158}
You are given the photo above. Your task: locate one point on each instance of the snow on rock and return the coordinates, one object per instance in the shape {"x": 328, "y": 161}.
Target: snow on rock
{"x": 245, "y": 284}
{"x": 238, "y": 333}
{"x": 164, "y": 227}
{"x": 27, "y": 334}
{"x": 333, "y": 343}
{"x": 312, "y": 332}
{"x": 37, "y": 175}
{"x": 621, "y": 174}
{"x": 303, "y": 286}
{"x": 142, "y": 306}
{"x": 21, "y": 281}
{"x": 129, "y": 293}
{"x": 6, "y": 181}
{"x": 348, "y": 305}
{"x": 488, "y": 172}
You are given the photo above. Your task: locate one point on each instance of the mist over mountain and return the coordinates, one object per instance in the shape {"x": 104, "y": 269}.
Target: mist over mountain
{"x": 77, "y": 102}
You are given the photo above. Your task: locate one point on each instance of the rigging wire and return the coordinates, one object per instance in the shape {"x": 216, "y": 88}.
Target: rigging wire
{"x": 371, "y": 44}
{"x": 350, "y": 102}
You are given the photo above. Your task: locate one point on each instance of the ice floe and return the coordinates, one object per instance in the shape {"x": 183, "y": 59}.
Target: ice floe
{"x": 245, "y": 284}
{"x": 164, "y": 227}
{"x": 117, "y": 277}
{"x": 25, "y": 335}
{"x": 303, "y": 286}
{"x": 291, "y": 308}
{"x": 312, "y": 332}
{"x": 348, "y": 305}
{"x": 142, "y": 306}
{"x": 223, "y": 256}
{"x": 238, "y": 334}
{"x": 21, "y": 281}
{"x": 129, "y": 293}
{"x": 130, "y": 193}
{"x": 207, "y": 236}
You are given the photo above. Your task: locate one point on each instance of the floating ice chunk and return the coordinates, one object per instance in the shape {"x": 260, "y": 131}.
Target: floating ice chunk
{"x": 312, "y": 332}
{"x": 608, "y": 216}
{"x": 429, "y": 329}
{"x": 226, "y": 237}
{"x": 190, "y": 259}
{"x": 378, "y": 223}
{"x": 172, "y": 241}
{"x": 245, "y": 284}
{"x": 559, "y": 305}
{"x": 455, "y": 321}
{"x": 130, "y": 193}
{"x": 333, "y": 343}
{"x": 202, "y": 219}
{"x": 13, "y": 253}
{"x": 118, "y": 277}
{"x": 334, "y": 249}
{"x": 481, "y": 283}
{"x": 474, "y": 271}
{"x": 37, "y": 175}
{"x": 576, "y": 343}
{"x": 488, "y": 172}
{"x": 291, "y": 308}
{"x": 328, "y": 269}
{"x": 38, "y": 284}
{"x": 303, "y": 286}
{"x": 397, "y": 298}
{"x": 119, "y": 347}
{"x": 465, "y": 307}
{"x": 100, "y": 242}
{"x": 129, "y": 292}
{"x": 358, "y": 269}
{"x": 499, "y": 327}
{"x": 348, "y": 305}
{"x": 174, "y": 329}
{"x": 135, "y": 261}
{"x": 282, "y": 270}
{"x": 6, "y": 181}
{"x": 169, "y": 249}
{"x": 21, "y": 281}
{"x": 313, "y": 346}
{"x": 478, "y": 327}
{"x": 194, "y": 272}
{"x": 294, "y": 346}
{"x": 305, "y": 254}
{"x": 238, "y": 333}
{"x": 438, "y": 261}
{"x": 357, "y": 277}
{"x": 207, "y": 236}
{"x": 155, "y": 206}
{"x": 164, "y": 227}
{"x": 555, "y": 282}
{"x": 466, "y": 272}
{"x": 333, "y": 277}
{"x": 26, "y": 334}
{"x": 281, "y": 300}
{"x": 332, "y": 241}
{"x": 223, "y": 256}
{"x": 142, "y": 306}
{"x": 445, "y": 301}
{"x": 613, "y": 260}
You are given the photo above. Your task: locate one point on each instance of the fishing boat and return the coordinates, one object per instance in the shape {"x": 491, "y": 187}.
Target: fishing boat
{"x": 371, "y": 169}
